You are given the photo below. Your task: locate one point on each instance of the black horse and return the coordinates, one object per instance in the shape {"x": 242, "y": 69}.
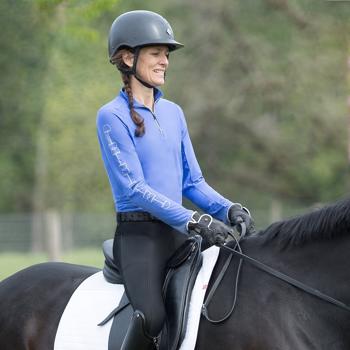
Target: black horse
{"x": 269, "y": 315}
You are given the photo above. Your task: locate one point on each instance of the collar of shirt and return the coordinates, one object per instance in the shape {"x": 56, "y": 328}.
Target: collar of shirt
{"x": 157, "y": 95}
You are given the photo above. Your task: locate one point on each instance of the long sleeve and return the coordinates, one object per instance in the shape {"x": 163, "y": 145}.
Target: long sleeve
{"x": 195, "y": 188}
{"x": 123, "y": 164}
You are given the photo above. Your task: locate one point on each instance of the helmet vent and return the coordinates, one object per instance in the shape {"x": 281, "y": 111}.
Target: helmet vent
{"x": 169, "y": 32}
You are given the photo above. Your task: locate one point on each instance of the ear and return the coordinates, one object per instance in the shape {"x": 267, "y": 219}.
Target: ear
{"x": 128, "y": 58}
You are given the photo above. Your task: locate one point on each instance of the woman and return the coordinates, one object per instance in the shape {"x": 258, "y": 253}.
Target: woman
{"x": 151, "y": 164}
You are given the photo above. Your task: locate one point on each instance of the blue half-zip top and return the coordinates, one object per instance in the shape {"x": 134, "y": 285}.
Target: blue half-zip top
{"x": 153, "y": 172}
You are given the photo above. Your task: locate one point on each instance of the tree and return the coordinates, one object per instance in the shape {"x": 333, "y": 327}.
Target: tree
{"x": 265, "y": 96}
{"x": 23, "y": 61}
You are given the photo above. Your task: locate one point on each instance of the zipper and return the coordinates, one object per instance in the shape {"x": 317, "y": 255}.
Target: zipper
{"x": 157, "y": 122}
{"x": 161, "y": 131}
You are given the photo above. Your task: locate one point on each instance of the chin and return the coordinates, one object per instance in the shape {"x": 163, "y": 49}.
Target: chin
{"x": 159, "y": 83}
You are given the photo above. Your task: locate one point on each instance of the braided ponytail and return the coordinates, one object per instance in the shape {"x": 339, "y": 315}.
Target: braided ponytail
{"x": 136, "y": 118}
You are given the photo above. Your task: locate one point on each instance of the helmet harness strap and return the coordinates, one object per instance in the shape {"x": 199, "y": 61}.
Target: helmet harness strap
{"x": 132, "y": 70}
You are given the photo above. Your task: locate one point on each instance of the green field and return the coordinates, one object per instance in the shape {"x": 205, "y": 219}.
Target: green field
{"x": 12, "y": 262}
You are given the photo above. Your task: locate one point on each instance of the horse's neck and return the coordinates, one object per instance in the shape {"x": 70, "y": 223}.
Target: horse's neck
{"x": 320, "y": 263}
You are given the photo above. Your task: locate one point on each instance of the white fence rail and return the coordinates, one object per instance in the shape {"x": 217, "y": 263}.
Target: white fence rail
{"x": 53, "y": 232}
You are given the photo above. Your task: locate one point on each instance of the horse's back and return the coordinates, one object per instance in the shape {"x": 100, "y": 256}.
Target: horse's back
{"x": 32, "y": 302}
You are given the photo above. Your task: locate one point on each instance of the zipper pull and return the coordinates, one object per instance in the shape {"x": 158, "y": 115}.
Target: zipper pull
{"x": 158, "y": 125}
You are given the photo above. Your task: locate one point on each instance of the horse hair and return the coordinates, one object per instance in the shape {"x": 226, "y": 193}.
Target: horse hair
{"x": 325, "y": 223}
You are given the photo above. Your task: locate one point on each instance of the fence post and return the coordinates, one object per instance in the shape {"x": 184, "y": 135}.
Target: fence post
{"x": 67, "y": 231}
{"x": 37, "y": 233}
{"x": 276, "y": 210}
{"x": 54, "y": 235}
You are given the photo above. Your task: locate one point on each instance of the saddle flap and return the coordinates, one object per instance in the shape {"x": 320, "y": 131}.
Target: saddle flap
{"x": 177, "y": 293}
{"x": 120, "y": 324}
{"x": 184, "y": 252}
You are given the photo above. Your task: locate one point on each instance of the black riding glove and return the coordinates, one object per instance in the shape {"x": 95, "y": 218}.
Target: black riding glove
{"x": 237, "y": 214}
{"x": 212, "y": 231}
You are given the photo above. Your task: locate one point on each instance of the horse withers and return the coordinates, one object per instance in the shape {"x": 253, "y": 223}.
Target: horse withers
{"x": 269, "y": 314}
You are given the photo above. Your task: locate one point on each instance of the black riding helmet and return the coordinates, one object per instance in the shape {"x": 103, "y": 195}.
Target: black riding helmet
{"x": 136, "y": 29}
{"x": 140, "y": 28}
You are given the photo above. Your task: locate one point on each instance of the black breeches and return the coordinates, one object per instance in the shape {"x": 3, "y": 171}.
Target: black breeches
{"x": 142, "y": 250}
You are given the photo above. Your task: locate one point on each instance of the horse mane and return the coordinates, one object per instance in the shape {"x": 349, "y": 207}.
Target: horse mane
{"x": 325, "y": 223}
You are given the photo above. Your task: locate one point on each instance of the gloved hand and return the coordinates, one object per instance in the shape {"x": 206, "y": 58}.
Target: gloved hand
{"x": 238, "y": 214}
{"x": 213, "y": 231}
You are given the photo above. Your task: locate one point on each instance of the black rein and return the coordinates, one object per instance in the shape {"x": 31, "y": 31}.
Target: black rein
{"x": 267, "y": 269}
{"x": 289, "y": 279}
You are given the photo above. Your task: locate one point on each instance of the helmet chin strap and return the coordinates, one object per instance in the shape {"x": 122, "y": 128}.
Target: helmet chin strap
{"x": 143, "y": 82}
{"x": 133, "y": 69}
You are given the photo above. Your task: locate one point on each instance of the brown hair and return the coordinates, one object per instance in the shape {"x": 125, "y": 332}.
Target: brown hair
{"x": 117, "y": 59}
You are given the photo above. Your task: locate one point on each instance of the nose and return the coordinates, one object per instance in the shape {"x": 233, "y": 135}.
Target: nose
{"x": 164, "y": 60}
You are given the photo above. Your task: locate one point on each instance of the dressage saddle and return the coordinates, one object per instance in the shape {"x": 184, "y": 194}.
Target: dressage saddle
{"x": 180, "y": 278}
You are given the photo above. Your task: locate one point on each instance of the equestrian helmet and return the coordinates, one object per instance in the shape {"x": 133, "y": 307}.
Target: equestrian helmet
{"x": 140, "y": 28}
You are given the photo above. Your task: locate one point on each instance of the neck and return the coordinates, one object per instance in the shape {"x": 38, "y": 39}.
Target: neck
{"x": 142, "y": 94}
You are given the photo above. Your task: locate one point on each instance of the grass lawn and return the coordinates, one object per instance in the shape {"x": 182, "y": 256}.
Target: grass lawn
{"x": 12, "y": 262}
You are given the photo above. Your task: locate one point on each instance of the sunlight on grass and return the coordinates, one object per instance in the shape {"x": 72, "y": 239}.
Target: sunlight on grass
{"x": 12, "y": 262}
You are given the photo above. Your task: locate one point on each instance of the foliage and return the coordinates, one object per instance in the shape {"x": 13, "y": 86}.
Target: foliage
{"x": 262, "y": 83}
{"x": 265, "y": 97}
{"x": 23, "y": 64}
{"x": 272, "y": 100}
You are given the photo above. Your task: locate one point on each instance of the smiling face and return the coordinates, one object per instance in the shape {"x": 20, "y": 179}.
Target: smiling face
{"x": 152, "y": 64}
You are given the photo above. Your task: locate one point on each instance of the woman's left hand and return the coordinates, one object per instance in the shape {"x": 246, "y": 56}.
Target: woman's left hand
{"x": 238, "y": 214}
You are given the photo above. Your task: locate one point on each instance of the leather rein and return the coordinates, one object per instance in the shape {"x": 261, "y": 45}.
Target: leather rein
{"x": 238, "y": 252}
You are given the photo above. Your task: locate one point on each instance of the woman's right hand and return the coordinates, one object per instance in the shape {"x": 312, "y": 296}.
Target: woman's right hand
{"x": 212, "y": 231}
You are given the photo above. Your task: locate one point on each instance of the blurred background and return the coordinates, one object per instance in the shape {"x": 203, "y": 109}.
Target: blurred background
{"x": 263, "y": 83}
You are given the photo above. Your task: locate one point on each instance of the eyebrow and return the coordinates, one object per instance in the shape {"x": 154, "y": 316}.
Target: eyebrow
{"x": 160, "y": 49}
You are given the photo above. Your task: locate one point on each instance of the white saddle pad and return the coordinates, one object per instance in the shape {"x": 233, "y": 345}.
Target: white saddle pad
{"x": 95, "y": 298}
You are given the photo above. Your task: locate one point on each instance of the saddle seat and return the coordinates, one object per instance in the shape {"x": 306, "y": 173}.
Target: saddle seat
{"x": 110, "y": 269}
{"x": 180, "y": 278}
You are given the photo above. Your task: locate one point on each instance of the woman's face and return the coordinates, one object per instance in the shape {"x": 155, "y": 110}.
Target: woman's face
{"x": 152, "y": 64}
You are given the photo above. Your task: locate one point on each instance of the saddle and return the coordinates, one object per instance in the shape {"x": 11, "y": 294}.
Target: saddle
{"x": 180, "y": 278}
